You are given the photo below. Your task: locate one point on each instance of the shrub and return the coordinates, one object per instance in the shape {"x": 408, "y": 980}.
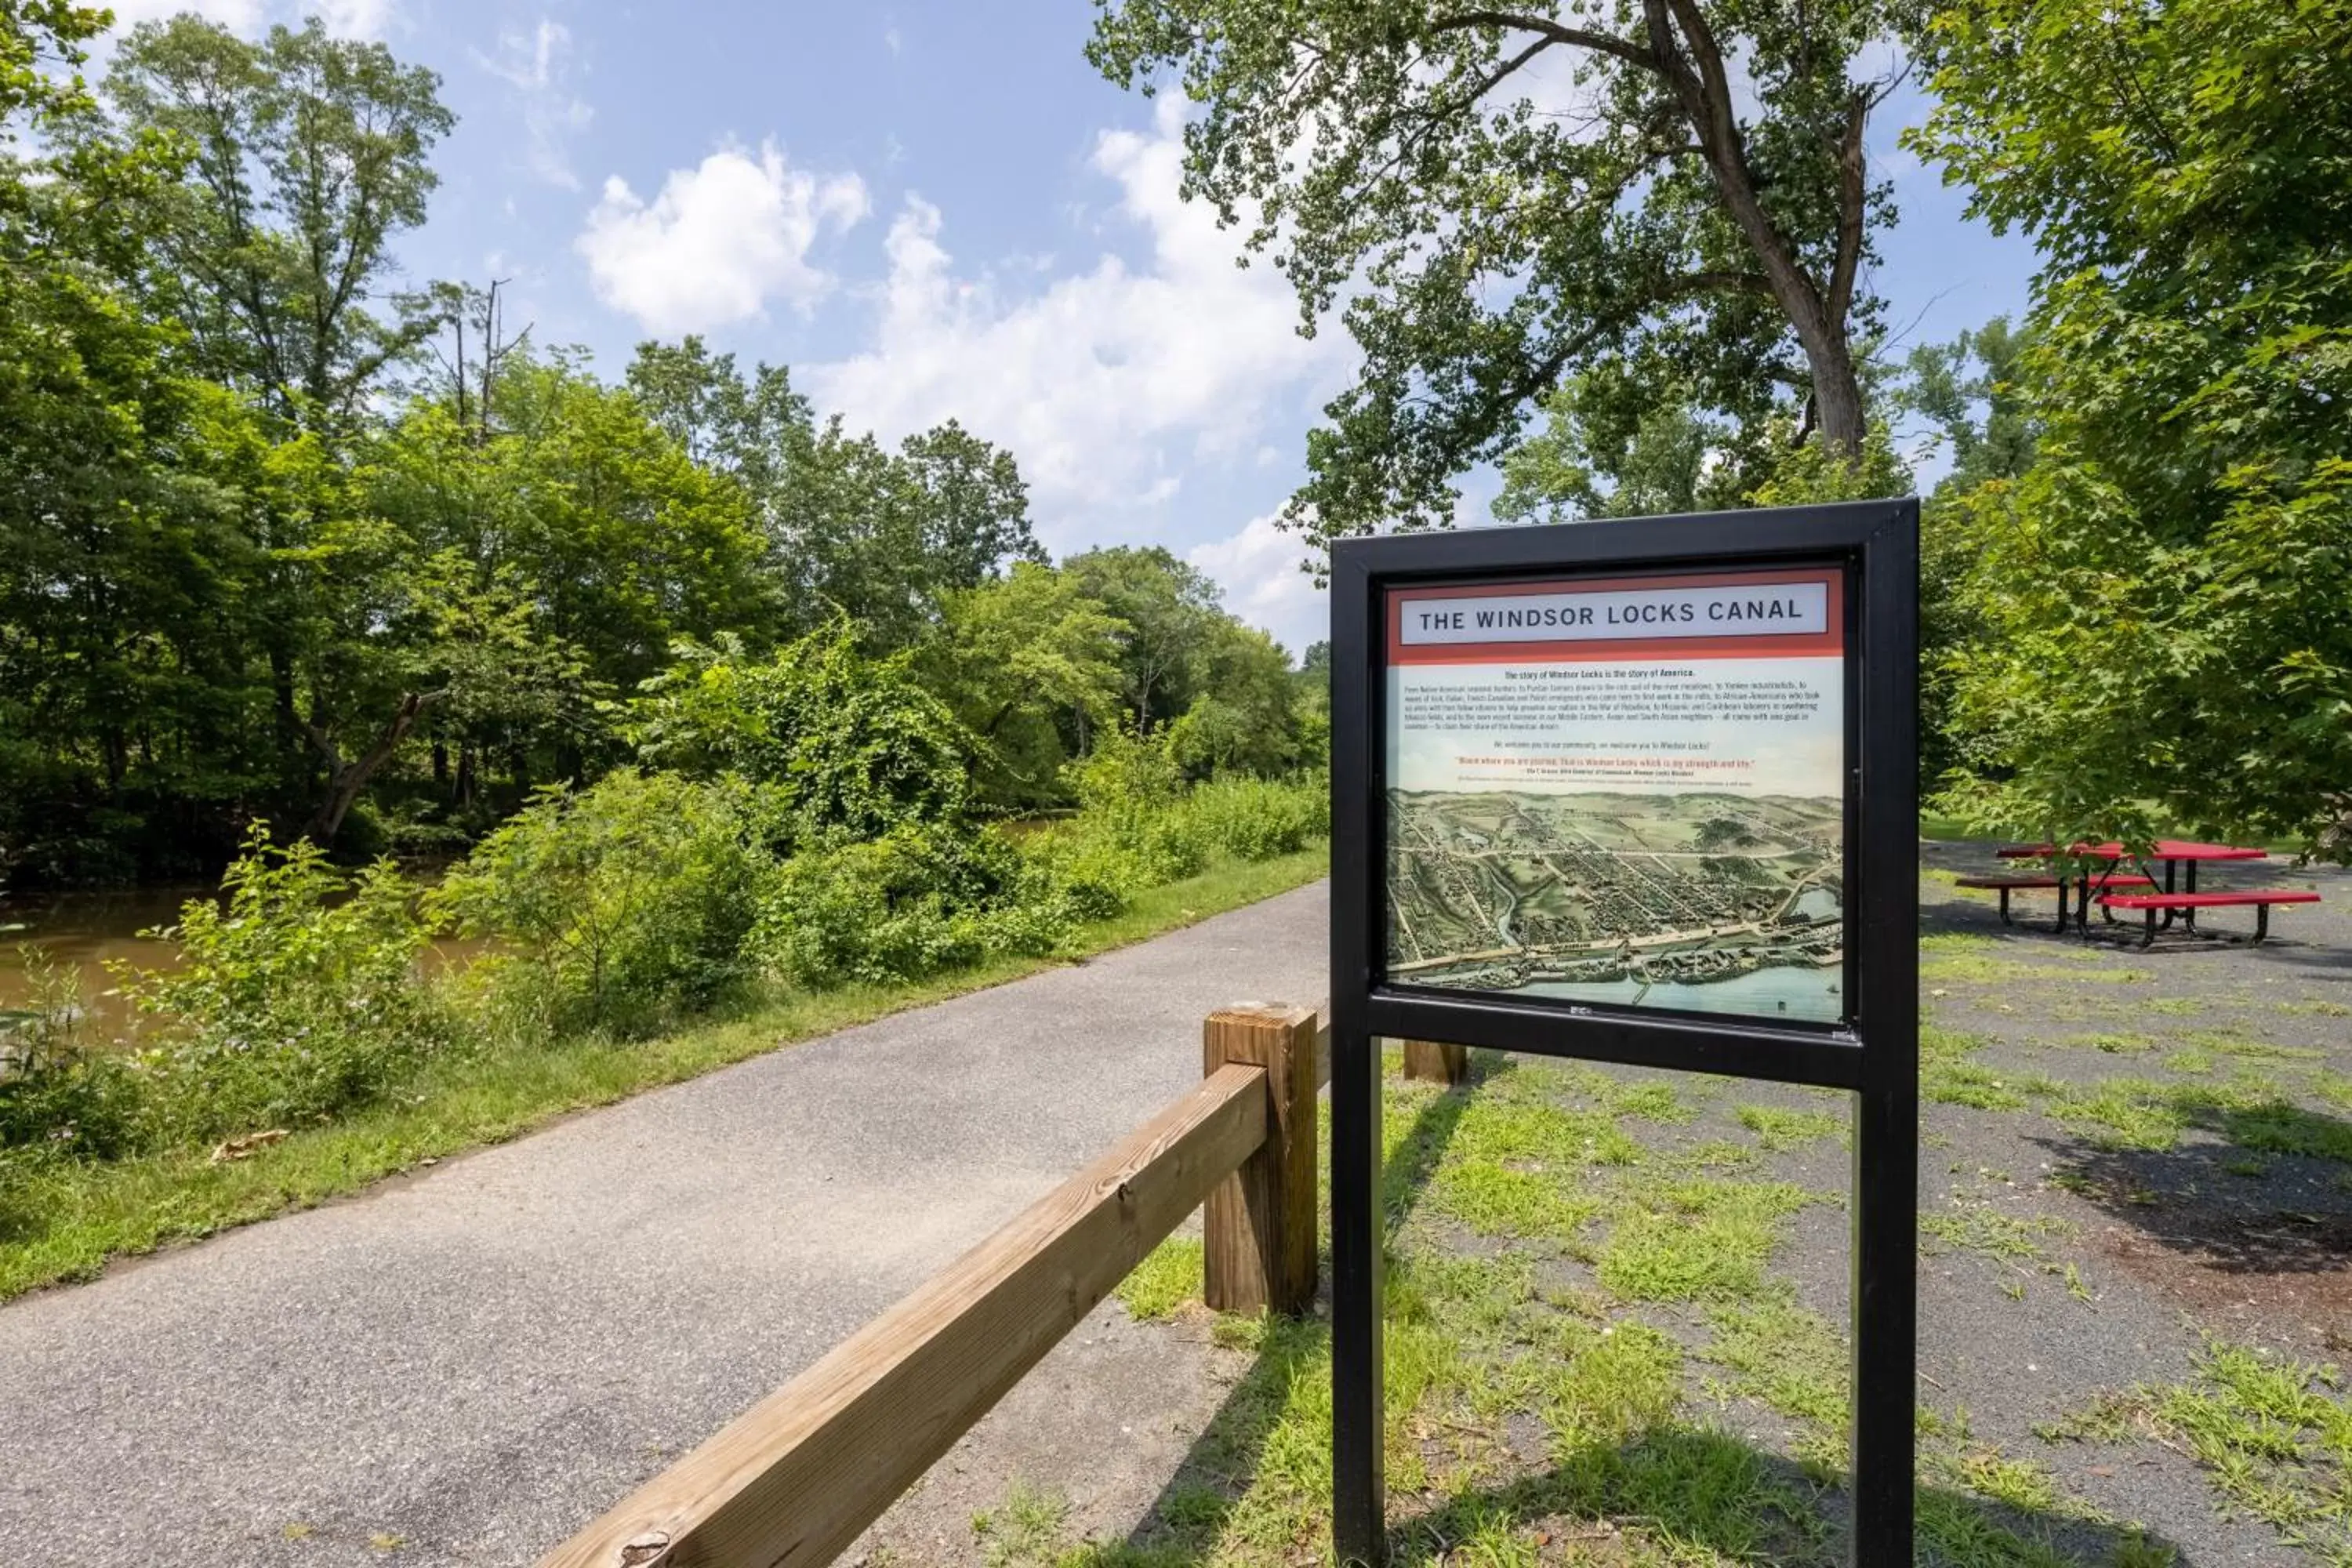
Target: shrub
{"x": 912, "y": 904}
{"x": 56, "y": 1097}
{"x": 1259, "y": 819}
{"x": 625, "y": 902}
{"x": 1130, "y": 831}
{"x": 295, "y": 1000}
{"x": 847, "y": 744}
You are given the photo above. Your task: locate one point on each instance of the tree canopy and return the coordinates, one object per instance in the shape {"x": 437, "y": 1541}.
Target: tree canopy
{"x": 1646, "y": 204}
{"x": 282, "y": 539}
{"x": 2165, "y": 591}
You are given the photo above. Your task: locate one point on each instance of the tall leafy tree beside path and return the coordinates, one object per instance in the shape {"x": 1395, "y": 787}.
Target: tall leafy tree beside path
{"x": 2164, "y": 596}
{"x": 307, "y": 156}
{"x": 1504, "y": 196}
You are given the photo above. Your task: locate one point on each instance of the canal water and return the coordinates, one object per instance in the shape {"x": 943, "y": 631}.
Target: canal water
{"x": 81, "y": 933}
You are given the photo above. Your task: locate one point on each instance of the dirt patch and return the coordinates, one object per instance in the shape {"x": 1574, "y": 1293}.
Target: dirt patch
{"x": 2282, "y": 1275}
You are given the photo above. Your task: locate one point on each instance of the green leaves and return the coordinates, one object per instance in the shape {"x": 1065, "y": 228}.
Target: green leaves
{"x": 843, "y": 743}
{"x": 1499, "y": 201}
{"x": 2160, "y": 600}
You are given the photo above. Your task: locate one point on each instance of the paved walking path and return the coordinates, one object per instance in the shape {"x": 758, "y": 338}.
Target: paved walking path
{"x": 465, "y": 1368}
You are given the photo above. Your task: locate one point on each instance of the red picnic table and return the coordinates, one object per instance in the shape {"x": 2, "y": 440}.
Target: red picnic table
{"x": 2172, "y": 903}
{"x": 2174, "y": 852}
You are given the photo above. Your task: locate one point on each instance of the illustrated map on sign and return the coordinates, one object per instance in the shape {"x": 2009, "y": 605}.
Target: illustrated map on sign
{"x": 1700, "y": 902}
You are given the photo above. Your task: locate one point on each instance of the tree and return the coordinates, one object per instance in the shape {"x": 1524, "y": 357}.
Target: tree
{"x": 1950, "y": 381}
{"x": 1694, "y": 196}
{"x": 2165, "y": 593}
{"x": 1166, "y": 607}
{"x": 843, "y": 743}
{"x": 308, "y": 157}
{"x": 1603, "y": 454}
{"x": 1970, "y": 393}
{"x": 853, "y": 528}
{"x": 1029, "y": 664}
{"x": 121, "y": 684}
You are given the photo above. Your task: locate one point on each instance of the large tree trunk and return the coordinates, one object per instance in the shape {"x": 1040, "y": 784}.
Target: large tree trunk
{"x": 1816, "y": 309}
{"x": 346, "y": 778}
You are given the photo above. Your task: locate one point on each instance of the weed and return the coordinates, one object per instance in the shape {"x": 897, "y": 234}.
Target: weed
{"x": 1717, "y": 1154}
{"x": 1778, "y": 1130}
{"x": 1025, "y": 1531}
{"x": 1651, "y": 1102}
{"x": 1168, "y": 1276}
{"x": 1696, "y": 1240}
{"x": 1494, "y": 1200}
{"x": 2113, "y": 1043}
{"x": 2273, "y": 1435}
{"x": 2237, "y": 1044}
{"x": 1785, "y": 1357}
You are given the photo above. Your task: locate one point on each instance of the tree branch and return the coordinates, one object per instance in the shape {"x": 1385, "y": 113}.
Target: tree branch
{"x": 1852, "y": 193}
{"x": 1552, "y": 33}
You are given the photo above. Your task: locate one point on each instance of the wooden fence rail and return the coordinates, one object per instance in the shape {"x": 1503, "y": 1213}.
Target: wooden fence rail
{"x": 796, "y": 1478}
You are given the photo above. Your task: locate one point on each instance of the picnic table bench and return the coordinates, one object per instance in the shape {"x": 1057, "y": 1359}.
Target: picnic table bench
{"x": 2188, "y": 904}
{"x": 2005, "y": 886}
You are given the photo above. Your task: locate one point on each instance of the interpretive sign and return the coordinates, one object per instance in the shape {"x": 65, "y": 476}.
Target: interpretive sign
{"x": 1621, "y": 790}
{"x": 1641, "y": 792}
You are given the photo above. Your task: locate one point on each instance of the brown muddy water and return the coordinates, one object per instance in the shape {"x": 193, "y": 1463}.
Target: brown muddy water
{"x": 81, "y": 934}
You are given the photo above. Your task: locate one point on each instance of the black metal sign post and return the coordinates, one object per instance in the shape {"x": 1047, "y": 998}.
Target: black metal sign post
{"x": 1745, "y": 680}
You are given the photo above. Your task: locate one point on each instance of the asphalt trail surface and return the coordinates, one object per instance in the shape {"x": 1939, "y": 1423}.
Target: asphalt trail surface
{"x": 466, "y": 1367}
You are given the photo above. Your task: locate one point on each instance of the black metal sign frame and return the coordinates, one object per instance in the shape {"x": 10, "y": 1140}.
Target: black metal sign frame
{"x": 1874, "y": 1055}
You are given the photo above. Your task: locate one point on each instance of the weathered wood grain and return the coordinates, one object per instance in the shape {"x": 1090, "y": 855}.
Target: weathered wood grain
{"x": 795, "y": 1479}
{"x": 1258, "y": 1229}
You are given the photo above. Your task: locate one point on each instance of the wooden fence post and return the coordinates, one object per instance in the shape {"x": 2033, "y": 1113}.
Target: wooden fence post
{"x": 1434, "y": 1063}
{"x": 1259, "y": 1227}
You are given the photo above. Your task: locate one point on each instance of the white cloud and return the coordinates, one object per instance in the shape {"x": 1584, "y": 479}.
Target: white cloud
{"x": 719, "y": 241}
{"x": 346, "y": 18}
{"x": 1260, "y": 570}
{"x": 237, "y": 16}
{"x": 538, "y": 66}
{"x": 1109, "y": 383}
{"x": 356, "y": 18}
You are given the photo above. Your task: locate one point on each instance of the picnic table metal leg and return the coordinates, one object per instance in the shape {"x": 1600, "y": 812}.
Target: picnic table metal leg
{"x": 2262, "y": 921}
{"x": 2148, "y": 939}
{"x": 2062, "y": 906}
{"x": 2004, "y": 906}
{"x": 2188, "y": 917}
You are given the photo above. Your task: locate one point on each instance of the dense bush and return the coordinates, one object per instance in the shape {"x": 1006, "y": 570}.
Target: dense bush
{"x": 296, "y": 999}
{"x": 620, "y": 907}
{"x": 1131, "y": 830}
{"x": 57, "y": 1098}
{"x": 847, "y": 743}
{"x": 1257, "y": 819}
{"x": 624, "y": 903}
{"x": 910, "y": 905}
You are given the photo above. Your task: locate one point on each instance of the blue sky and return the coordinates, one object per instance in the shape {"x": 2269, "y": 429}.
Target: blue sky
{"x": 939, "y": 209}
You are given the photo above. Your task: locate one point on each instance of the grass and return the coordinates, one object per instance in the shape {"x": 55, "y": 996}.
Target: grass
{"x": 1167, "y": 1278}
{"x": 1534, "y": 1417}
{"x": 2273, "y": 1435}
{"x": 1697, "y": 1239}
{"x": 1985, "y": 1231}
{"x": 72, "y": 1218}
{"x": 1778, "y": 1130}
{"x": 2146, "y": 1116}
